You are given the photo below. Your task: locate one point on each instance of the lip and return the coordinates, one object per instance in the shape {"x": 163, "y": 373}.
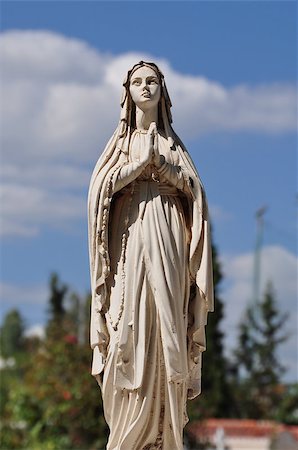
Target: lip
{"x": 146, "y": 95}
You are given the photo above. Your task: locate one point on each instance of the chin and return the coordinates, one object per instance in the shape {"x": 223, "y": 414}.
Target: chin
{"x": 147, "y": 103}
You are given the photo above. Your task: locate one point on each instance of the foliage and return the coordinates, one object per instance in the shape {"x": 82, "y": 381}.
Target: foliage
{"x": 260, "y": 371}
{"x": 50, "y": 399}
{"x": 57, "y": 296}
{"x": 12, "y": 334}
{"x": 70, "y": 407}
{"x": 288, "y": 407}
{"x": 215, "y": 399}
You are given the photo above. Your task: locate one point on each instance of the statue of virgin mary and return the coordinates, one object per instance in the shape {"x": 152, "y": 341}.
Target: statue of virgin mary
{"x": 151, "y": 271}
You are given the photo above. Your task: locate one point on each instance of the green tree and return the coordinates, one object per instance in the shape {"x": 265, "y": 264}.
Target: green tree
{"x": 58, "y": 291}
{"x": 51, "y": 400}
{"x": 216, "y": 396}
{"x": 288, "y": 409}
{"x": 260, "y": 371}
{"x": 79, "y": 315}
{"x": 13, "y": 344}
{"x": 12, "y": 334}
{"x": 70, "y": 409}
{"x": 57, "y": 404}
{"x": 57, "y": 299}
{"x": 215, "y": 399}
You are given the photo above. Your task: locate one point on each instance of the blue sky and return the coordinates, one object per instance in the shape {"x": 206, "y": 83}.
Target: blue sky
{"x": 231, "y": 72}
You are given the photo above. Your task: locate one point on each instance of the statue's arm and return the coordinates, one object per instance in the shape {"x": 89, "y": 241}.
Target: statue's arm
{"x": 177, "y": 175}
{"x": 132, "y": 170}
{"x": 128, "y": 173}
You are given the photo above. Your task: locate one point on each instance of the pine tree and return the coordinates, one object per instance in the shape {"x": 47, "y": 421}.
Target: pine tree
{"x": 260, "y": 334}
{"x": 78, "y": 314}
{"x": 216, "y": 398}
{"x": 216, "y": 394}
{"x": 57, "y": 298}
{"x": 12, "y": 334}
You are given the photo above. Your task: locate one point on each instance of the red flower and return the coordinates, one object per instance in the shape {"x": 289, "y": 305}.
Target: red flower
{"x": 71, "y": 339}
{"x": 66, "y": 395}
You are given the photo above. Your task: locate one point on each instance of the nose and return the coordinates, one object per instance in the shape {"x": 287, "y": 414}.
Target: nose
{"x": 144, "y": 85}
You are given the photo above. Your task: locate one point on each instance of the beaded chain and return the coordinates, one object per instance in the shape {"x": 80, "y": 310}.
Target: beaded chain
{"x": 123, "y": 259}
{"x": 102, "y": 234}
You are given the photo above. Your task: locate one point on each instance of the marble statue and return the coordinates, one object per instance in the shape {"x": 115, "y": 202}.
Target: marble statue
{"x": 151, "y": 271}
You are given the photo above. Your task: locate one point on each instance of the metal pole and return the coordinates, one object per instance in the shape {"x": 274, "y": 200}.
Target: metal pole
{"x": 257, "y": 256}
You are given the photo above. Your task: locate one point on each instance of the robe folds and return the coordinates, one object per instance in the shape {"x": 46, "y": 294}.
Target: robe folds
{"x": 151, "y": 278}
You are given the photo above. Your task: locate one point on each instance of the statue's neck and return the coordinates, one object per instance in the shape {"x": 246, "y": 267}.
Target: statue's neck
{"x": 145, "y": 118}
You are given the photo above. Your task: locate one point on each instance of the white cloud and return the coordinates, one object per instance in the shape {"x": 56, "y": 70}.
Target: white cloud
{"x": 51, "y": 176}
{"x": 36, "y": 330}
{"x": 60, "y": 104}
{"x": 17, "y": 295}
{"x": 201, "y": 105}
{"x": 30, "y": 300}
{"x": 278, "y": 266}
{"x": 27, "y": 208}
{"x": 47, "y": 56}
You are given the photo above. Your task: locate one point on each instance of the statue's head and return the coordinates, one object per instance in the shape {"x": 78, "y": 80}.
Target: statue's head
{"x": 144, "y": 86}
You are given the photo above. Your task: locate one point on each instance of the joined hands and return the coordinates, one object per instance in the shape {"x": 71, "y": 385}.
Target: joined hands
{"x": 151, "y": 153}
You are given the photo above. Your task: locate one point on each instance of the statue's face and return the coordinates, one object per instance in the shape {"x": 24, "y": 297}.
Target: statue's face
{"x": 145, "y": 88}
